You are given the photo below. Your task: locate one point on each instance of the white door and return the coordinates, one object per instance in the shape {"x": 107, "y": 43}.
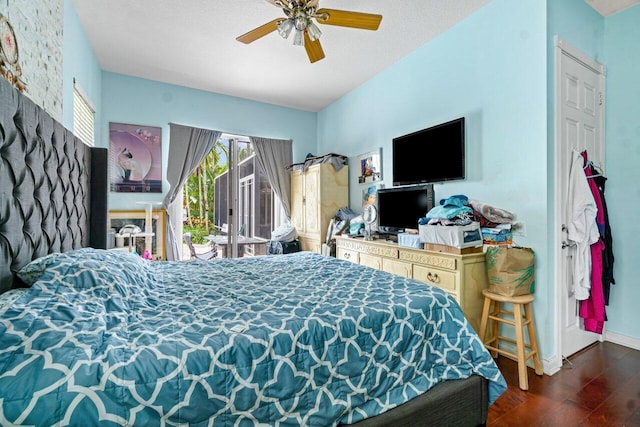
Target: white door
{"x": 579, "y": 126}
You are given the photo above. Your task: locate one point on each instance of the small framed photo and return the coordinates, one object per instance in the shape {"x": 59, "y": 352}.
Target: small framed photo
{"x": 370, "y": 167}
{"x": 370, "y": 194}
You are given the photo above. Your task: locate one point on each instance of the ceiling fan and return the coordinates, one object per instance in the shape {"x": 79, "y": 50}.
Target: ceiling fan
{"x": 300, "y": 15}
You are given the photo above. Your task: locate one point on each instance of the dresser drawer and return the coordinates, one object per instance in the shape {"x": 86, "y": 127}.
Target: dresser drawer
{"x": 372, "y": 261}
{"x": 400, "y": 268}
{"x": 348, "y": 255}
{"x": 440, "y": 278}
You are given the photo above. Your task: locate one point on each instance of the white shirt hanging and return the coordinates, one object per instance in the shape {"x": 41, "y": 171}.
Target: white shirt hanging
{"x": 581, "y": 226}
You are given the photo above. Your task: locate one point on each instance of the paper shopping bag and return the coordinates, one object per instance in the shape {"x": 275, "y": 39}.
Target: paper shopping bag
{"x": 511, "y": 271}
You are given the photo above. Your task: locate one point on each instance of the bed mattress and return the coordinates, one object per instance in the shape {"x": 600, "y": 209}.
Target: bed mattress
{"x": 300, "y": 339}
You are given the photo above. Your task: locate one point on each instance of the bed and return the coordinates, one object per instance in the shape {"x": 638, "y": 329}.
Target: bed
{"x": 90, "y": 336}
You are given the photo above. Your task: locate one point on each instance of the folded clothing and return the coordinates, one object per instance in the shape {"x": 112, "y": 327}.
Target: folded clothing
{"x": 497, "y": 236}
{"x": 454, "y": 206}
{"x": 493, "y": 214}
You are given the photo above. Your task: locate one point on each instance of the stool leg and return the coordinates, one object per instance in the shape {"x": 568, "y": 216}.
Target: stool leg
{"x": 494, "y": 325}
{"x": 488, "y": 326}
{"x": 528, "y": 311}
{"x": 522, "y": 363}
{"x": 484, "y": 319}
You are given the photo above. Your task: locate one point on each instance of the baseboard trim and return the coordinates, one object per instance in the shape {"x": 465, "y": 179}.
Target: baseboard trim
{"x": 549, "y": 366}
{"x": 552, "y": 365}
{"x": 624, "y": 340}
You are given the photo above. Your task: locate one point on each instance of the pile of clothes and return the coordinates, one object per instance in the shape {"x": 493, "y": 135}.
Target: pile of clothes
{"x": 495, "y": 223}
{"x": 345, "y": 221}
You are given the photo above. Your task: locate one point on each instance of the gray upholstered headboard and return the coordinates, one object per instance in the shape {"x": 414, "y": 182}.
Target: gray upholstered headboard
{"x": 53, "y": 188}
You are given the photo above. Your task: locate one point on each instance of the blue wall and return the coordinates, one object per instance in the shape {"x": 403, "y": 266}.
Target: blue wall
{"x": 133, "y": 100}
{"x": 579, "y": 24}
{"x": 613, "y": 41}
{"x": 490, "y": 68}
{"x": 622, "y": 59}
{"x": 79, "y": 62}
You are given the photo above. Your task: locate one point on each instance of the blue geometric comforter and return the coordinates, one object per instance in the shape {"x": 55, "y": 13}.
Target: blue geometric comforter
{"x": 106, "y": 337}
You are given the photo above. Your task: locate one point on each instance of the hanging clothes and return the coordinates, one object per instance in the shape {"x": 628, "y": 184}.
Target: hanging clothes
{"x": 607, "y": 256}
{"x": 592, "y": 309}
{"x": 581, "y": 226}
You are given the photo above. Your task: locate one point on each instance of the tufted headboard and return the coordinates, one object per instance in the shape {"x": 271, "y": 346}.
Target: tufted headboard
{"x": 47, "y": 180}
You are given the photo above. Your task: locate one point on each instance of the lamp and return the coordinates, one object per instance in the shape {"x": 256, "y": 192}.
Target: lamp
{"x": 285, "y": 27}
{"x": 298, "y": 40}
{"x": 299, "y": 18}
{"x": 313, "y": 31}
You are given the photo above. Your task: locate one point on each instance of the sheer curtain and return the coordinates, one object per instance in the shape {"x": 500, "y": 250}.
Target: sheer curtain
{"x": 188, "y": 146}
{"x": 273, "y": 156}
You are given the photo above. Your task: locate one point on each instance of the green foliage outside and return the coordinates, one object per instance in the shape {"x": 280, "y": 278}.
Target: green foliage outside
{"x": 197, "y": 233}
{"x": 199, "y": 190}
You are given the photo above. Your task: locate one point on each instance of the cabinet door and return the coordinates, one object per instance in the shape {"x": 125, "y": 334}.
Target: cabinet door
{"x": 310, "y": 244}
{"x": 297, "y": 200}
{"x": 312, "y": 201}
{"x": 400, "y": 268}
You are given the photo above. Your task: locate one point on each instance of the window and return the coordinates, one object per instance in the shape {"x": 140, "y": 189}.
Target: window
{"x": 83, "y": 116}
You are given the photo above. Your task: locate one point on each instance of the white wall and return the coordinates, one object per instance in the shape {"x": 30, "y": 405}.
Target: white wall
{"x": 38, "y": 28}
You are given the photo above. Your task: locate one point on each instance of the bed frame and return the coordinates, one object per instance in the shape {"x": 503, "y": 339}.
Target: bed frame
{"x": 53, "y": 187}
{"x": 53, "y": 198}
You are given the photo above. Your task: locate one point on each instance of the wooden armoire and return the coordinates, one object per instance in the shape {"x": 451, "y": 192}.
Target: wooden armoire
{"x": 316, "y": 196}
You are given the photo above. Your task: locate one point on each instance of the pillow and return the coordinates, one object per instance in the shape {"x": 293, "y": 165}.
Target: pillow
{"x": 31, "y": 272}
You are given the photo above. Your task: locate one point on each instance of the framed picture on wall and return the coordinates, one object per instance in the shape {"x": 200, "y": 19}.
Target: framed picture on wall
{"x": 370, "y": 167}
{"x": 370, "y": 198}
{"x": 370, "y": 194}
{"x": 135, "y": 158}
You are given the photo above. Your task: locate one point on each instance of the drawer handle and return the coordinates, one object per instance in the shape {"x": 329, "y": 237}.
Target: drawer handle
{"x": 433, "y": 277}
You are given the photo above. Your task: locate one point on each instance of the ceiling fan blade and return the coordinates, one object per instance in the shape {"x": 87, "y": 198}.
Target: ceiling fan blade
{"x": 313, "y": 48}
{"x": 261, "y": 31}
{"x": 345, "y": 18}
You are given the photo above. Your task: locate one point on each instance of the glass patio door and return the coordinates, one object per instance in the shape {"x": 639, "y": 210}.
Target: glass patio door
{"x": 249, "y": 208}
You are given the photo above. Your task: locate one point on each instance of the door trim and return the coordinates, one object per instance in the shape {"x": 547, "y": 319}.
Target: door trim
{"x": 564, "y": 48}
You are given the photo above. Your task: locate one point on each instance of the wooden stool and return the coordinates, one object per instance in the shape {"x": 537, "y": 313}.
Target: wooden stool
{"x": 493, "y": 314}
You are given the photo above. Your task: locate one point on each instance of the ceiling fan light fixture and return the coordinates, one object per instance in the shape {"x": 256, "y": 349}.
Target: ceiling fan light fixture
{"x": 301, "y": 21}
{"x": 313, "y": 31}
{"x": 303, "y": 16}
{"x": 298, "y": 39}
{"x": 285, "y": 27}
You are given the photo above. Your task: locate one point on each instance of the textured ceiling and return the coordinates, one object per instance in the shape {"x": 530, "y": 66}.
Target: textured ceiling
{"x": 609, "y": 7}
{"x": 192, "y": 43}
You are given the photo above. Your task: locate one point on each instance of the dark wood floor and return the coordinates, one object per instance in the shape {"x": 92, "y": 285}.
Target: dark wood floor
{"x": 602, "y": 388}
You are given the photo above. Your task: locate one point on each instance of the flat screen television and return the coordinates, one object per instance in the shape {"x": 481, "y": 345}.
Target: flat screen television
{"x": 435, "y": 154}
{"x": 400, "y": 208}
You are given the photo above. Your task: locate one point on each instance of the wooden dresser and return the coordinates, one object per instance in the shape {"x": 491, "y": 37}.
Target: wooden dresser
{"x": 463, "y": 276}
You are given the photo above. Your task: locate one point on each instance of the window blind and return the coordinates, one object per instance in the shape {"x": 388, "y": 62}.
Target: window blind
{"x": 83, "y": 116}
